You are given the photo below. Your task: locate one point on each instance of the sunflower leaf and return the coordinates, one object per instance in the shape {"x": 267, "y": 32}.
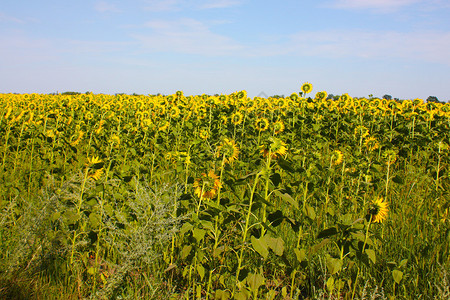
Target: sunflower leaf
{"x": 260, "y": 246}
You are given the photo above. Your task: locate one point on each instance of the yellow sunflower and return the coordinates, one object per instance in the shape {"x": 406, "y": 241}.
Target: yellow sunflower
{"x": 207, "y": 185}
{"x": 115, "y": 140}
{"x": 228, "y": 150}
{"x": 174, "y": 112}
{"x": 204, "y": 133}
{"x": 242, "y": 95}
{"x": 262, "y": 124}
{"x": 224, "y": 119}
{"x": 390, "y": 156}
{"x": 307, "y": 88}
{"x": 164, "y": 126}
{"x": 345, "y": 98}
{"x": 371, "y": 144}
{"x": 294, "y": 96}
{"x": 361, "y": 131}
{"x": 88, "y": 116}
{"x": 275, "y": 146}
{"x": 100, "y": 127}
{"x": 78, "y": 139}
{"x": 337, "y": 157}
{"x": 237, "y": 118}
{"x": 378, "y": 210}
{"x": 94, "y": 168}
{"x": 321, "y": 95}
{"x": 278, "y": 127}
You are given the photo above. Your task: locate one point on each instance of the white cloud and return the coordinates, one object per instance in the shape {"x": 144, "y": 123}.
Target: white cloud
{"x": 186, "y": 36}
{"x": 176, "y": 5}
{"x": 162, "y": 5}
{"x": 10, "y": 19}
{"x": 190, "y": 36}
{"x": 380, "y": 5}
{"x": 103, "y": 6}
{"x": 220, "y": 3}
{"x": 93, "y": 47}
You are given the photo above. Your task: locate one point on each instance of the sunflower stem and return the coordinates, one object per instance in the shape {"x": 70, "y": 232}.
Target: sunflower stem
{"x": 245, "y": 232}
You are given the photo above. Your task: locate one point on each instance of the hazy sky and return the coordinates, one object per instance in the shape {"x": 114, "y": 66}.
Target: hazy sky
{"x": 360, "y": 47}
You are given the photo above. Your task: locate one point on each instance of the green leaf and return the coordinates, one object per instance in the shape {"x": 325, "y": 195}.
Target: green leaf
{"x": 362, "y": 238}
{"x": 218, "y": 251}
{"x": 309, "y": 211}
{"x": 330, "y": 284}
{"x": 95, "y": 219}
{"x": 317, "y": 247}
{"x": 255, "y": 281}
{"x": 288, "y": 198}
{"x": 201, "y": 271}
{"x": 260, "y": 246}
{"x": 285, "y": 165}
{"x": 211, "y": 204}
{"x": 371, "y": 254}
{"x": 301, "y": 254}
{"x": 403, "y": 262}
{"x": 334, "y": 265}
{"x": 198, "y": 234}
{"x": 185, "y": 228}
{"x": 207, "y": 225}
{"x": 109, "y": 210}
{"x": 91, "y": 270}
{"x": 327, "y": 232}
{"x": 186, "y": 250}
{"x": 398, "y": 275}
{"x": 243, "y": 294}
{"x": 71, "y": 216}
{"x": 222, "y": 295}
{"x": 276, "y": 244}
{"x": 55, "y": 216}
{"x": 275, "y": 218}
{"x": 398, "y": 179}
{"x": 275, "y": 178}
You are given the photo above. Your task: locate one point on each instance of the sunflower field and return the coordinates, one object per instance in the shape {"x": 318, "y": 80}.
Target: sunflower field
{"x": 223, "y": 197}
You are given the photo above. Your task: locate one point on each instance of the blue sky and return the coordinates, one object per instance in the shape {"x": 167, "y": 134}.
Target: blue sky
{"x": 360, "y": 47}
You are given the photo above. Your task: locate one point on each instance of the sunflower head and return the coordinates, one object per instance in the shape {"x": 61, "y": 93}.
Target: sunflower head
{"x": 236, "y": 118}
{"x": 163, "y": 125}
{"x": 321, "y": 95}
{"x": 337, "y": 157}
{"x": 361, "y": 131}
{"x": 278, "y": 127}
{"x": 115, "y": 140}
{"x": 242, "y": 95}
{"x": 204, "y": 134}
{"x": 390, "y": 156}
{"x": 294, "y": 96}
{"x": 378, "y": 210}
{"x": 88, "y": 116}
{"x": 275, "y": 147}
{"x": 174, "y": 112}
{"x": 228, "y": 150}
{"x": 345, "y": 98}
{"x": 307, "y": 88}
{"x": 371, "y": 144}
{"x": 207, "y": 185}
{"x": 262, "y": 124}
{"x": 79, "y": 137}
{"x": 94, "y": 167}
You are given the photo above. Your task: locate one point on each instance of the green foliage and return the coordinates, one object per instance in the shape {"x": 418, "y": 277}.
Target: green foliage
{"x": 190, "y": 197}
